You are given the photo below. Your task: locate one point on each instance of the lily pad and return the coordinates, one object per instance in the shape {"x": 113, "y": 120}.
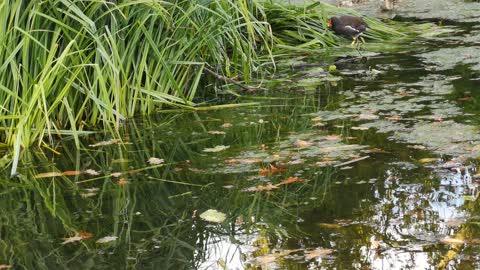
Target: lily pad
{"x": 212, "y": 215}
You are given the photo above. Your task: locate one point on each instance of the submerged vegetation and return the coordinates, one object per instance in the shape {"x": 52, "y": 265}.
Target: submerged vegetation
{"x": 70, "y": 66}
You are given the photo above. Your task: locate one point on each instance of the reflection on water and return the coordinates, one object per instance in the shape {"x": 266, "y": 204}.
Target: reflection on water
{"x": 374, "y": 167}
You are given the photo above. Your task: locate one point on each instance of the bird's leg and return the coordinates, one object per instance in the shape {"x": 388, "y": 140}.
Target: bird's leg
{"x": 354, "y": 42}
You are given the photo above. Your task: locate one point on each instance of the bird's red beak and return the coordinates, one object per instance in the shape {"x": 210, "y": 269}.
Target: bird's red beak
{"x": 329, "y": 23}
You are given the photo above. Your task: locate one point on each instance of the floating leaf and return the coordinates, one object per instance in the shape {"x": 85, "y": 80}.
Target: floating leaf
{"x": 106, "y": 239}
{"x": 77, "y": 237}
{"x": 116, "y": 174}
{"x": 274, "y": 169}
{"x": 155, "y": 161}
{"x": 291, "y": 180}
{"x": 216, "y": 132}
{"x": 91, "y": 172}
{"x": 48, "y": 174}
{"x": 302, "y": 144}
{"x": 333, "y": 137}
{"x": 243, "y": 161}
{"x": 359, "y": 128}
{"x": 212, "y": 215}
{"x": 270, "y": 258}
{"x": 296, "y": 162}
{"x": 227, "y": 125}
{"x": 5, "y": 266}
{"x": 217, "y": 148}
{"x": 365, "y": 116}
{"x": 394, "y": 117}
{"x": 428, "y": 160}
{"x": 452, "y": 241}
{"x": 264, "y": 171}
{"x": 329, "y": 225}
{"x": 271, "y": 170}
{"x": 319, "y": 252}
{"x": 88, "y": 194}
{"x": 71, "y": 173}
{"x": 105, "y": 143}
{"x": 122, "y": 182}
{"x": 261, "y": 188}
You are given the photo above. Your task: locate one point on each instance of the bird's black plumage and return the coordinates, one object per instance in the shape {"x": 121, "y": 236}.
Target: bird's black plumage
{"x": 348, "y": 26}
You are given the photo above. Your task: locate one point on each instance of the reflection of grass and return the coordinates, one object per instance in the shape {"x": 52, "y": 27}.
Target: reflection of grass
{"x": 152, "y": 218}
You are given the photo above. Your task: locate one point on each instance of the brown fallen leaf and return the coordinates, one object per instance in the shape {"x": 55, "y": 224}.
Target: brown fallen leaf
{"x": 227, "y": 125}
{"x": 271, "y": 170}
{"x": 71, "y": 173}
{"x": 319, "y": 252}
{"x": 48, "y": 174}
{"x": 5, "y": 266}
{"x": 333, "y": 137}
{"x": 122, "y": 182}
{"x": 264, "y": 171}
{"x": 274, "y": 169}
{"x": 302, "y": 144}
{"x": 290, "y": 180}
{"x": 394, "y": 117}
{"x": 77, "y": 237}
{"x": 465, "y": 98}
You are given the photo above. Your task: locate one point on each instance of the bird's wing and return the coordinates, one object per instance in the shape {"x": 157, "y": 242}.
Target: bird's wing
{"x": 351, "y": 28}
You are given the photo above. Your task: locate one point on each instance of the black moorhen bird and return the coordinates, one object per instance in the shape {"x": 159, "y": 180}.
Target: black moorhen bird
{"x": 348, "y": 26}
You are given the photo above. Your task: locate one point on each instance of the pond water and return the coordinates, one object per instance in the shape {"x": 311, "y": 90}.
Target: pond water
{"x": 371, "y": 167}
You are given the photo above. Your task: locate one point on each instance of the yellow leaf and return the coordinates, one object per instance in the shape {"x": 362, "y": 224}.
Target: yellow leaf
{"x": 428, "y": 160}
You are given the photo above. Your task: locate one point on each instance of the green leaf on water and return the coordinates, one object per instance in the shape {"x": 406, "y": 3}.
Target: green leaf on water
{"x": 212, "y": 215}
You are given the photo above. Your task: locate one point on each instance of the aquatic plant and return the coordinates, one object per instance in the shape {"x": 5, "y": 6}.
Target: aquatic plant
{"x": 70, "y": 66}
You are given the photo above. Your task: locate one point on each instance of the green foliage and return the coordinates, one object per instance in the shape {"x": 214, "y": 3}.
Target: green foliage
{"x": 69, "y": 66}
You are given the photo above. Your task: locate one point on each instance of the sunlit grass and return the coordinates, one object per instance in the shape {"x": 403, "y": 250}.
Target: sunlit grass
{"x": 69, "y": 66}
